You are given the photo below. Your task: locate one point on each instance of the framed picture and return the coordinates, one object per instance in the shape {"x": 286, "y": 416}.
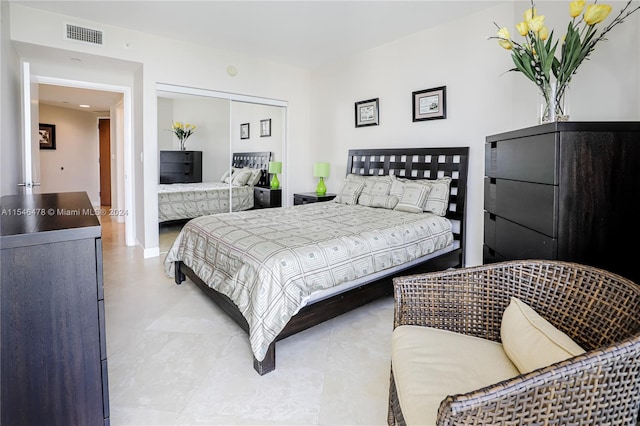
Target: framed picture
{"x": 430, "y": 104}
{"x": 367, "y": 113}
{"x": 244, "y": 131}
{"x": 47, "y": 135}
{"x": 265, "y": 128}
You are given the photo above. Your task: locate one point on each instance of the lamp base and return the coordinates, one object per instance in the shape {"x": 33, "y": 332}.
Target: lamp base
{"x": 275, "y": 183}
{"x": 321, "y": 189}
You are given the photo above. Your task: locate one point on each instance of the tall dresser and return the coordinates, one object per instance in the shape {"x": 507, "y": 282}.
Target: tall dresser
{"x": 567, "y": 191}
{"x": 54, "y": 358}
{"x": 180, "y": 166}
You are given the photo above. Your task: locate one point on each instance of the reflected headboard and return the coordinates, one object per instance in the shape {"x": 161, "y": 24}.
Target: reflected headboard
{"x": 254, "y": 160}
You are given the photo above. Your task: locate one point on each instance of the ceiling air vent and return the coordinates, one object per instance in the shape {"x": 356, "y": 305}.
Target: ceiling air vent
{"x": 85, "y": 35}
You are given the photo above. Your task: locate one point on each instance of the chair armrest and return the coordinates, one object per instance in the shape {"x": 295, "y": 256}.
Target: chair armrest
{"x": 599, "y": 387}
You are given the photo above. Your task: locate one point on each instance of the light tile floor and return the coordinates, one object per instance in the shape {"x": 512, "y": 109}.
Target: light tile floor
{"x": 174, "y": 358}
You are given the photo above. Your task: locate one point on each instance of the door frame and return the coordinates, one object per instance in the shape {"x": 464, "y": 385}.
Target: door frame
{"x": 129, "y": 222}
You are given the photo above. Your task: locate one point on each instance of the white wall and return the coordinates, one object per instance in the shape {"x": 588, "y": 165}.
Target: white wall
{"x": 10, "y": 129}
{"x": 211, "y": 118}
{"x": 481, "y": 98}
{"x": 74, "y": 164}
{"x": 243, "y": 112}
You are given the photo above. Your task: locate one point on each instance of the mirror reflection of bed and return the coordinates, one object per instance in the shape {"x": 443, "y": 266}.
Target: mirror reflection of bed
{"x": 216, "y": 137}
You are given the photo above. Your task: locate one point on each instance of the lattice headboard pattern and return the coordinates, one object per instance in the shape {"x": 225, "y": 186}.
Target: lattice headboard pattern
{"x": 420, "y": 163}
{"x": 254, "y": 160}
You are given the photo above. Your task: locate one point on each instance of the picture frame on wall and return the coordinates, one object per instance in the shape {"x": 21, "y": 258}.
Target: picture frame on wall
{"x": 244, "y": 131}
{"x": 265, "y": 128}
{"x": 47, "y": 136}
{"x": 430, "y": 104}
{"x": 367, "y": 113}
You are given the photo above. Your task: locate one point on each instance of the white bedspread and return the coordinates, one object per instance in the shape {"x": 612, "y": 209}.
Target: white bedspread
{"x": 189, "y": 200}
{"x": 270, "y": 261}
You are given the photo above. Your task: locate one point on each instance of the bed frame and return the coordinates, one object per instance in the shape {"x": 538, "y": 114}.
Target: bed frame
{"x": 412, "y": 163}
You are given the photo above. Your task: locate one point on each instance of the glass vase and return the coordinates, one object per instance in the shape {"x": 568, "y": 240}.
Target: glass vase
{"x": 181, "y": 144}
{"x": 553, "y": 103}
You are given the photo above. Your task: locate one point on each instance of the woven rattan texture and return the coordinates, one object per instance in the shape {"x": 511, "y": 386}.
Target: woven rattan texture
{"x": 598, "y": 309}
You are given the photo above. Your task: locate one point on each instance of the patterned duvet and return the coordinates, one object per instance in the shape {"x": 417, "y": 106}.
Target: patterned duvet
{"x": 189, "y": 200}
{"x": 270, "y": 261}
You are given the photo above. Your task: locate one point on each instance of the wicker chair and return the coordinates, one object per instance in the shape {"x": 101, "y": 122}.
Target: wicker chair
{"x": 598, "y": 309}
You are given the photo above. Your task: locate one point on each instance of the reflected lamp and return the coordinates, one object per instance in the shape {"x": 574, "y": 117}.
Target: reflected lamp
{"x": 321, "y": 170}
{"x": 275, "y": 167}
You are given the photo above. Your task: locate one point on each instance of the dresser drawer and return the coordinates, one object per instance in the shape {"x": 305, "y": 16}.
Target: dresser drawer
{"x": 531, "y": 159}
{"x": 489, "y": 255}
{"x": 514, "y": 241}
{"x": 177, "y": 156}
{"x": 185, "y": 168}
{"x": 490, "y": 229}
{"x": 532, "y": 205}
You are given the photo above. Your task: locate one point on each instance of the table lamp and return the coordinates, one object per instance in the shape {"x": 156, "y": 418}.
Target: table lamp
{"x": 275, "y": 167}
{"x": 321, "y": 170}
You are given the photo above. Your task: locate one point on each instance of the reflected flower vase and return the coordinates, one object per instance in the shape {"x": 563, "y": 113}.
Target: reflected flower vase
{"x": 553, "y": 103}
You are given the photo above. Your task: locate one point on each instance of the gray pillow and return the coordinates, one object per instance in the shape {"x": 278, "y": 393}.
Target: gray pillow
{"x": 414, "y": 197}
{"x": 350, "y": 190}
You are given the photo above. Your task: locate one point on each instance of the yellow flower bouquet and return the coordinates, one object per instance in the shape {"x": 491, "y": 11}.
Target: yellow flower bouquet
{"x": 182, "y": 132}
{"x": 536, "y": 56}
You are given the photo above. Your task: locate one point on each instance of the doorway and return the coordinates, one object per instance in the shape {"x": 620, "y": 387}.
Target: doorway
{"x": 123, "y": 140}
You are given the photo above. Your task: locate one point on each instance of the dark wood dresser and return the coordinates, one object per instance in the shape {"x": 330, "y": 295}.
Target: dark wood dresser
{"x": 567, "y": 191}
{"x": 54, "y": 357}
{"x": 180, "y": 166}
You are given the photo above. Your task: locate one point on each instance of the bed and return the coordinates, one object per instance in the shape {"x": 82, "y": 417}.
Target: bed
{"x": 275, "y": 275}
{"x": 183, "y": 201}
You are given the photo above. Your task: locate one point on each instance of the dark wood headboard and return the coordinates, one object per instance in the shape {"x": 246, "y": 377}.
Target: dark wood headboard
{"x": 421, "y": 163}
{"x": 254, "y": 160}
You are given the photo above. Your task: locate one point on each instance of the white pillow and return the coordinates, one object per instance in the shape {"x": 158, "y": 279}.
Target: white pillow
{"x": 438, "y": 200}
{"x": 413, "y": 198}
{"x": 532, "y": 342}
{"x": 350, "y": 190}
{"x": 255, "y": 176}
{"x": 378, "y": 201}
{"x": 241, "y": 177}
{"x": 377, "y": 185}
{"x": 225, "y": 176}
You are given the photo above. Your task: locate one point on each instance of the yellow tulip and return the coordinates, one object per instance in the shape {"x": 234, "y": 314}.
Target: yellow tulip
{"x": 504, "y": 38}
{"x": 596, "y": 13}
{"x": 536, "y": 23}
{"x": 543, "y": 33}
{"x": 529, "y": 14}
{"x": 522, "y": 28}
{"x": 576, "y": 7}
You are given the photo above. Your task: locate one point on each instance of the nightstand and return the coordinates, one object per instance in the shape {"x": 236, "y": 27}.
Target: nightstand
{"x": 264, "y": 198}
{"x": 311, "y": 197}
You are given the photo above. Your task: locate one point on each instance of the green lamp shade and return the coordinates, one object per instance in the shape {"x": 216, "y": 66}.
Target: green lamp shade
{"x": 321, "y": 170}
{"x": 275, "y": 167}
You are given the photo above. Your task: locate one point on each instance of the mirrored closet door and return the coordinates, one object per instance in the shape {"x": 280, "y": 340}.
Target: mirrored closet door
{"x": 234, "y": 147}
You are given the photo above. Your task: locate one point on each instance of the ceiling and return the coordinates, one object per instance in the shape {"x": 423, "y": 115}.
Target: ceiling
{"x": 306, "y": 34}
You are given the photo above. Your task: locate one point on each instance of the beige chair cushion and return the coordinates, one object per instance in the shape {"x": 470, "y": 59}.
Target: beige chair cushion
{"x": 532, "y": 342}
{"x": 429, "y": 364}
